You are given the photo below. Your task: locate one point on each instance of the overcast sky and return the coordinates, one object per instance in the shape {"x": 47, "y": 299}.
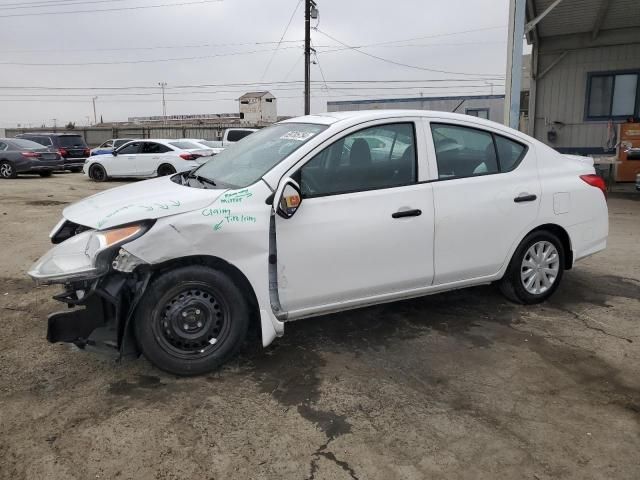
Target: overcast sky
{"x": 234, "y": 38}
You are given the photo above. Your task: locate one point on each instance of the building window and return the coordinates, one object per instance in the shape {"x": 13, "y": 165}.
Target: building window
{"x": 613, "y": 95}
{"x": 269, "y": 100}
{"x": 478, "y": 112}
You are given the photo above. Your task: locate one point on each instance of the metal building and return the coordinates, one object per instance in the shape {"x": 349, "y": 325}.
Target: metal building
{"x": 484, "y": 106}
{"x": 258, "y": 107}
{"x": 585, "y": 71}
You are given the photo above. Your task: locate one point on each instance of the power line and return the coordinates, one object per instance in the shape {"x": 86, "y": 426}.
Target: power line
{"x": 241, "y": 84}
{"x": 281, "y": 38}
{"x": 58, "y": 3}
{"x": 158, "y": 47}
{"x": 133, "y": 62}
{"x": 325, "y": 86}
{"x": 69, "y": 12}
{"x": 393, "y": 62}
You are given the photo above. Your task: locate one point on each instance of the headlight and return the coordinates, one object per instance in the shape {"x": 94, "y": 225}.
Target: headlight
{"x": 84, "y": 256}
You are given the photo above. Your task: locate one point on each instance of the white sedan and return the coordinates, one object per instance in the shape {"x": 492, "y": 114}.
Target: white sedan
{"x": 290, "y": 224}
{"x": 146, "y": 158}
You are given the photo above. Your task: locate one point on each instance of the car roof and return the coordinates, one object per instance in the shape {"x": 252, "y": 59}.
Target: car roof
{"x": 349, "y": 118}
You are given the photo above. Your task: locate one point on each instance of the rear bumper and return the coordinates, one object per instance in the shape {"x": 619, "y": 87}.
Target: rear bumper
{"x": 70, "y": 163}
{"x": 36, "y": 166}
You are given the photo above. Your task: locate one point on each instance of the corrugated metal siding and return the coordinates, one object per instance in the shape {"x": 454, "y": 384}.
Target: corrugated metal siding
{"x": 561, "y": 94}
{"x": 495, "y": 105}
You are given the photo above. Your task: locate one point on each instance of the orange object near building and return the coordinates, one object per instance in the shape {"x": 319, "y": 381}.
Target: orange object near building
{"x": 628, "y": 152}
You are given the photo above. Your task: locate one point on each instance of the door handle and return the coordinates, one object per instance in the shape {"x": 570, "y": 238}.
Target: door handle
{"x": 407, "y": 213}
{"x": 525, "y": 197}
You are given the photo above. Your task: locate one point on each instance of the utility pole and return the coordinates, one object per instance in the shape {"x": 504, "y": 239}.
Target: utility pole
{"x": 310, "y": 11}
{"x": 164, "y": 105}
{"x": 95, "y": 117}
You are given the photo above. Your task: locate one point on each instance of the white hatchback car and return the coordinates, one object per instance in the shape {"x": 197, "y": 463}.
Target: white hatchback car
{"x": 302, "y": 219}
{"x": 145, "y": 158}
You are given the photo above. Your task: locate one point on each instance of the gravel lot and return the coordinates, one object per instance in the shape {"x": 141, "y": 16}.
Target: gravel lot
{"x": 458, "y": 385}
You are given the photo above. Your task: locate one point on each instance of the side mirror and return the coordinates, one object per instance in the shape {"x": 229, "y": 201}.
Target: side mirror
{"x": 290, "y": 199}
{"x": 114, "y": 153}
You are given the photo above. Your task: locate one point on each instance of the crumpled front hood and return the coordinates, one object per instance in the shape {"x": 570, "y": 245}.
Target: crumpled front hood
{"x": 149, "y": 199}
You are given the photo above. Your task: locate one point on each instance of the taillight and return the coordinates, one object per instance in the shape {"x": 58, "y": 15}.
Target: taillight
{"x": 63, "y": 152}
{"x": 595, "y": 181}
{"x": 30, "y": 154}
{"x": 87, "y": 152}
{"x": 188, "y": 156}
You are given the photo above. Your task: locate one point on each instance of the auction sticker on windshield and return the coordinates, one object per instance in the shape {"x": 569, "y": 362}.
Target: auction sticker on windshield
{"x": 295, "y": 135}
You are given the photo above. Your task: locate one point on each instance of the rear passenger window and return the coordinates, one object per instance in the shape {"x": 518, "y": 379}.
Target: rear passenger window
{"x": 378, "y": 157}
{"x": 509, "y": 152}
{"x": 463, "y": 152}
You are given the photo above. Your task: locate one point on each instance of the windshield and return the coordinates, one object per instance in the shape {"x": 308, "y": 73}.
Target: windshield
{"x": 245, "y": 162}
{"x": 71, "y": 141}
{"x": 27, "y": 144}
{"x": 182, "y": 145}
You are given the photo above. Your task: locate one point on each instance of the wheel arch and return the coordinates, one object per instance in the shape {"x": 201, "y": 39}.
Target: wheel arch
{"x": 217, "y": 263}
{"x": 562, "y": 235}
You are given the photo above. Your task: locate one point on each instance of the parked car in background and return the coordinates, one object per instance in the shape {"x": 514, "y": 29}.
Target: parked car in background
{"x": 638, "y": 182}
{"x": 230, "y": 136}
{"x": 110, "y": 145}
{"x": 71, "y": 146}
{"x": 18, "y": 155}
{"x": 204, "y": 145}
{"x": 145, "y": 158}
{"x": 289, "y": 224}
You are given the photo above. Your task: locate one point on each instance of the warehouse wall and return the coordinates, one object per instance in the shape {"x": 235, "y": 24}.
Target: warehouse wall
{"x": 560, "y": 95}
{"x": 495, "y": 104}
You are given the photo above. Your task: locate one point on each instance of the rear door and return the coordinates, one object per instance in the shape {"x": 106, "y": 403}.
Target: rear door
{"x": 365, "y": 225}
{"x": 150, "y": 157}
{"x": 124, "y": 163}
{"x": 486, "y": 198}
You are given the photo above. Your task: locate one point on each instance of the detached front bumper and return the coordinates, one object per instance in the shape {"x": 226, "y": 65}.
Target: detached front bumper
{"x": 99, "y": 314}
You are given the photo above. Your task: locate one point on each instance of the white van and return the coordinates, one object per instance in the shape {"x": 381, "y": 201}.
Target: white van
{"x": 315, "y": 215}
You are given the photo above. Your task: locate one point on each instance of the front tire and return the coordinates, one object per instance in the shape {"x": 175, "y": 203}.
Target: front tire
{"x": 98, "y": 173}
{"x": 535, "y": 270}
{"x": 7, "y": 169}
{"x": 191, "y": 320}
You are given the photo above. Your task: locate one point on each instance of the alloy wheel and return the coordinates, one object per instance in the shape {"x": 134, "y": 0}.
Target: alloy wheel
{"x": 6, "y": 170}
{"x": 540, "y": 267}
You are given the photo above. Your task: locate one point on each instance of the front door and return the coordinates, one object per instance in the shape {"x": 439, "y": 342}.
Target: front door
{"x": 124, "y": 163}
{"x": 365, "y": 226}
{"x": 486, "y": 199}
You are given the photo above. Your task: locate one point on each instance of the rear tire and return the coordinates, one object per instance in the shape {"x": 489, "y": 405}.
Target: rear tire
{"x": 535, "y": 270}
{"x": 98, "y": 173}
{"x": 166, "y": 169}
{"x": 7, "y": 169}
{"x": 45, "y": 174}
{"x": 191, "y": 320}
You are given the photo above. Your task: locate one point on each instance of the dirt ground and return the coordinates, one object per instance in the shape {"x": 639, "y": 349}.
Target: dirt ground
{"x": 457, "y": 385}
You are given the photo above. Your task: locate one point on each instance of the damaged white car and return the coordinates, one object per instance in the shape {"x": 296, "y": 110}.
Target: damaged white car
{"x": 315, "y": 215}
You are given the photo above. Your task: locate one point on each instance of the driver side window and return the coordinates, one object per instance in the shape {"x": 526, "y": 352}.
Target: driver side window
{"x": 377, "y": 157}
{"x": 129, "y": 149}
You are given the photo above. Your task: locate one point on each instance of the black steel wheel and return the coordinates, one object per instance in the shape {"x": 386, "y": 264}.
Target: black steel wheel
{"x": 97, "y": 173}
{"x": 7, "y": 170}
{"x": 191, "y": 320}
{"x": 166, "y": 169}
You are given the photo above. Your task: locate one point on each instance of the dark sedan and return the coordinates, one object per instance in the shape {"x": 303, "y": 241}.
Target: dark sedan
{"x": 24, "y": 156}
